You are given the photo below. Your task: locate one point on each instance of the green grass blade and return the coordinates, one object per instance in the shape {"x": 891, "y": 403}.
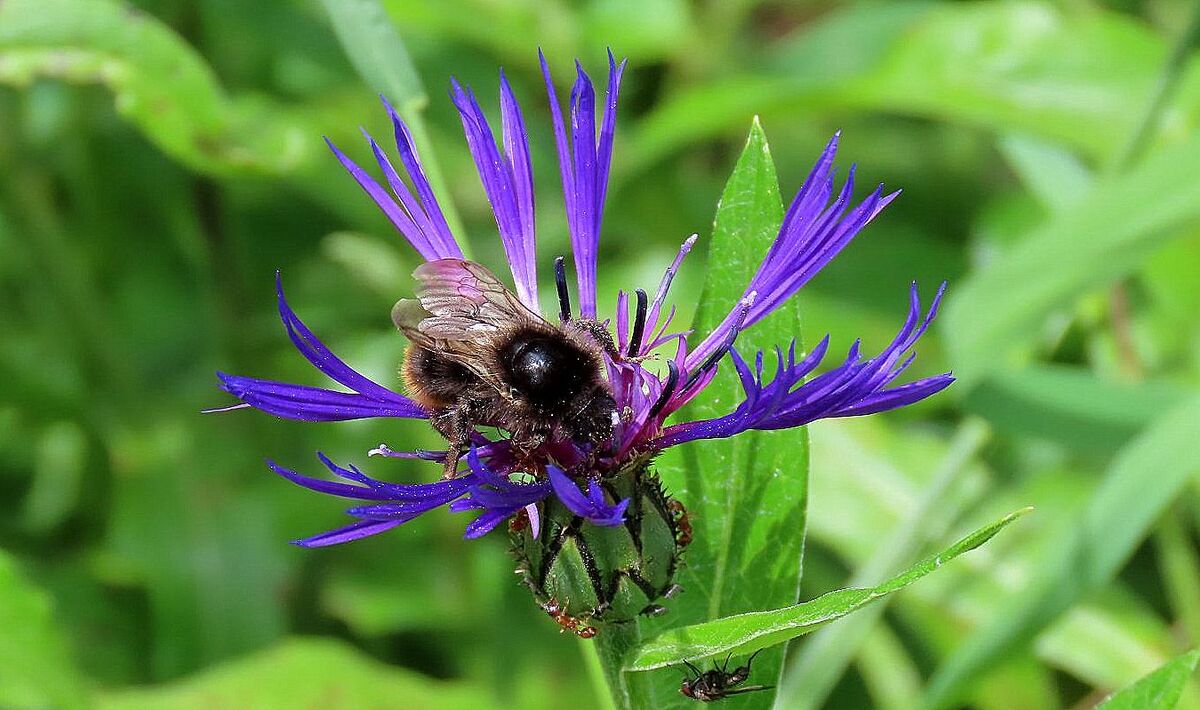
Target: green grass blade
{"x": 1158, "y": 691}
{"x": 378, "y": 53}
{"x": 1070, "y": 406}
{"x": 1059, "y": 75}
{"x": 1179, "y": 569}
{"x": 746, "y": 633}
{"x": 823, "y": 659}
{"x": 889, "y": 674}
{"x": 1100, "y": 237}
{"x": 1052, "y": 174}
{"x": 1140, "y": 483}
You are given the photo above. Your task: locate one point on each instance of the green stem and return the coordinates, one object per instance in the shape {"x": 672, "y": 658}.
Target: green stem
{"x": 614, "y": 644}
{"x": 1179, "y": 568}
{"x": 1168, "y": 81}
{"x": 377, "y": 51}
{"x": 596, "y": 674}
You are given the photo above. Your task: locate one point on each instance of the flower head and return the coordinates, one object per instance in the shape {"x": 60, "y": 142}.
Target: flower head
{"x": 500, "y": 481}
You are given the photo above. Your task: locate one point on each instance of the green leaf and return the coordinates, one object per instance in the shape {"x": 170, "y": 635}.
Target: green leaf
{"x": 1158, "y": 691}
{"x": 747, "y": 633}
{"x": 746, "y": 497}
{"x": 300, "y": 673}
{"x": 1067, "y": 76}
{"x": 38, "y": 671}
{"x": 1141, "y": 482}
{"x": 1095, "y": 239}
{"x": 158, "y": 82}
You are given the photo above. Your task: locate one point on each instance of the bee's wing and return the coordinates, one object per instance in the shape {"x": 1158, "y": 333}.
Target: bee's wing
{"x": 463, "y": 312}
{"x": 465, "y": 299}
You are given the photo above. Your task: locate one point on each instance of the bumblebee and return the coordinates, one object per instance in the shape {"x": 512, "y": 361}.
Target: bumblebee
{"x": 480, "y": 357}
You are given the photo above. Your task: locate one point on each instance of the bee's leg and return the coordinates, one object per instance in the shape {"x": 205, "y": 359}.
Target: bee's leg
{"x": 525, "y": 442}
{"x": 596, "y": 331}
{"x": 453, "y": 423}
{"x": 459, "y": 423}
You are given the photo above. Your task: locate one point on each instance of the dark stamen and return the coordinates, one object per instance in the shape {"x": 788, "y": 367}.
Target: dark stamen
{"x": 639, "y": 325}
{"x": 668, "y": 390}
{"x": 564, "y": 298}
{"x": 711, "y": 361}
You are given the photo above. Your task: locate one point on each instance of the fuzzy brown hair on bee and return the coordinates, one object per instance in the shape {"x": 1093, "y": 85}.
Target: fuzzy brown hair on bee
{"x": 480, "y": 357}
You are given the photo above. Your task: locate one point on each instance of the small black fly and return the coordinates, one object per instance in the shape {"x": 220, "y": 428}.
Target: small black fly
{"x": 719, "y": 683}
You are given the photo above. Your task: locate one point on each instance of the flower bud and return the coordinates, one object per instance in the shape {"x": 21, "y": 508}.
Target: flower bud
{"x": 584, "y": 574}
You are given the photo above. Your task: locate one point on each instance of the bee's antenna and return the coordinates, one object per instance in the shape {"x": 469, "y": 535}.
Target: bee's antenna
{"x": 725, "y": 666}
{"x": 560, "y": 282}
{"x": 668, "y": 389}
{"x": 639, "y": 325}
{"x": 693, "y": 669}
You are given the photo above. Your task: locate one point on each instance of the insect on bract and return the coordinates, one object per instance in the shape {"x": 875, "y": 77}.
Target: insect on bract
{"x": 719, "y": 683}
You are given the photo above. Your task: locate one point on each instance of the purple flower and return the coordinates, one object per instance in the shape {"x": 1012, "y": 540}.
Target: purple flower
{"x": 818, "y": 224}
{"x": 496, "y": 495}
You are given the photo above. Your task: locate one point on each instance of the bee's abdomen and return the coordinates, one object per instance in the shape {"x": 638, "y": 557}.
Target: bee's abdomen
{"x": 434, "y": 380}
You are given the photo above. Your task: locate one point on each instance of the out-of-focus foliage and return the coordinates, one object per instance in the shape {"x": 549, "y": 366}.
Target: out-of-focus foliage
{"x": 160, "y": 159}
{"x": 1160, "y": 689}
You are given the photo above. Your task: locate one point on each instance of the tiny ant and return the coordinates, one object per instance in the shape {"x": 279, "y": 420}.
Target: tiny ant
{"x": 567, "y": 622}
{"x": 683, "y": 525}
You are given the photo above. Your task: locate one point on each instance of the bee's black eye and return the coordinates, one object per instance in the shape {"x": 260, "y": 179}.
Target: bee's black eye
{"x": 546, "y": 370}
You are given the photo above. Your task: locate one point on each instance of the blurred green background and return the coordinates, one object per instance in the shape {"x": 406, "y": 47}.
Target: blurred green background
{"x": 160, "y": 159}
